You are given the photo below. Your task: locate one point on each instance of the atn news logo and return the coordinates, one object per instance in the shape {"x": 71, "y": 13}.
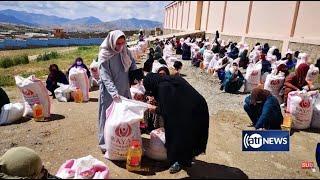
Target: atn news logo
{"x": 269, "y": 140}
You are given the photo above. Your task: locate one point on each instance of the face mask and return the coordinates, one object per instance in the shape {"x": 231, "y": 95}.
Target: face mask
{"x": 79, "y": 63}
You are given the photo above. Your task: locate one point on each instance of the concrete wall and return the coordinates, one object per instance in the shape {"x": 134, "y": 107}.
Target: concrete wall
{"x": 204, "y": 15}
{"x": 236, "y": 17}
{"x": 308, "y": 23}
{"x": 215, "y": 16}
{"x": 272, "y": 18}
{"x": 286, "y": 24}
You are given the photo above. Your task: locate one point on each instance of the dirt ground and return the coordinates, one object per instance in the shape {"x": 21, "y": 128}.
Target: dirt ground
{"x": 72, "y": 133}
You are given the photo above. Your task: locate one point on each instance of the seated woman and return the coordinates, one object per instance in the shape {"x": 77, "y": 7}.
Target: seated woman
{"x": 177, "y": 65}
{"x": 263, "y": 109}
{"x": 186, "y": 50}
{"x": 56, "y": 76}
{"x": 186, "y": 124}
{"x": 244, "y": 60}
{"x": 222, "y": 63}
{"x": 147, "y": 66}
{"x": 4, "y": 99}
{"x": 78, "y": 63}
{"x": 197, "y": 58}
{"x": 163, "y": 71}
{"x": 296, "y": 81}
{"x": 233, "y": 79}
{"x": 289, "y": 60}
{"x": 179, "y": 46}
{"x": 23, "y": 163}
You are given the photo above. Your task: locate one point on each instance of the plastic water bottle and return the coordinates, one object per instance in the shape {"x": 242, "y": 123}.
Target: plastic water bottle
{"x": 134, "y": 156}
{"x": 37, "y": 110}
{"x": 78, "y": 96}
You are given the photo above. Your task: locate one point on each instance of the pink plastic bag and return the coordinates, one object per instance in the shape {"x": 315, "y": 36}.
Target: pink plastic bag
{"x": 83, "y": 168}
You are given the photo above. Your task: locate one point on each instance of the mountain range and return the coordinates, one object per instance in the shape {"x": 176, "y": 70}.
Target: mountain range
{"x": 81, "y": 24}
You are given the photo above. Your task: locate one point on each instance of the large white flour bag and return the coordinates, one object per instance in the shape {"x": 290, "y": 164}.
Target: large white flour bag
{"x": 274, "y": 84}
{"x": 34, "y": 92}
{"x": 315, "y": 122}
{"x": 94, "y": 70}
{"x": 300, "y": 105}
{"x": 253, "y": 75}
{"x": 78, "y": 78}
{"x": 122, "y": 126}
{"x": 157, "y": 149}
{"x": 312, "y": 74}
{"x": 11, "y": 112}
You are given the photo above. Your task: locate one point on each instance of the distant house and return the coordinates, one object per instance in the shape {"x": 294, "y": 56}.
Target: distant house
{"x": 59, "y": 33}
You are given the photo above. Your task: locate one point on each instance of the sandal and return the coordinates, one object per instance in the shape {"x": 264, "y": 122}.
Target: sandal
{"x": 175, "y": 168}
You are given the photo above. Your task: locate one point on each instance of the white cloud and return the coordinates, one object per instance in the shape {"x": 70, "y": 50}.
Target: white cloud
{"x": 104, "y": 10}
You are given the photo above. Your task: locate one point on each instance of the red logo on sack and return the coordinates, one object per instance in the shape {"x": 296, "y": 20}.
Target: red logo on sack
{"x": 123, "y": 130}
{"x": 27, "y": 92}
{"x": 304, "y": 104}
{"x": 275, "y": 82}
{"x": 254, "y": 73}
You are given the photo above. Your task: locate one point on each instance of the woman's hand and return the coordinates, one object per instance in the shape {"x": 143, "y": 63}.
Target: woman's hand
{"x": 116, "y": 98}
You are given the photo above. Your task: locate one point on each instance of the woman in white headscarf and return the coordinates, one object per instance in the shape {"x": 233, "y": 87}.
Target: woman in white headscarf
{"x": 116, "y": 62}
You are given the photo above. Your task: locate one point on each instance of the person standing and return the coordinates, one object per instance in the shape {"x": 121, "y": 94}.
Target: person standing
{"x": 186, "y": 120}
{"x": 116, "y": 62}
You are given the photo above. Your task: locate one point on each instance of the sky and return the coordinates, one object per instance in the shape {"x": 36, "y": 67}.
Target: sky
{"x": 104, "y": 10}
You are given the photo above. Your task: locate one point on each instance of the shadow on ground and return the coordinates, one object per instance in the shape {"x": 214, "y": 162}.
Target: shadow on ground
{"x": 55, "y": 117}
{"x": 206, "y": 170}
{"x": 22, "y": 120}
{"x": 309, "y": 130}
{"x": 149, "y": 167}
{"x": 93, "y": 100}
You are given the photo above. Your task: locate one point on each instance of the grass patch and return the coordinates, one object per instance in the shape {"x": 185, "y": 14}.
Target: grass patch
{"x": 40, "y": 68}
{"x": 47, "y": 56}
{"x": 6, "y": 62}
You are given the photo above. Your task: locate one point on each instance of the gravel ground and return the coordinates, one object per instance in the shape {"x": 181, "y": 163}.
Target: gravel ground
{"x": 73, "y": 134}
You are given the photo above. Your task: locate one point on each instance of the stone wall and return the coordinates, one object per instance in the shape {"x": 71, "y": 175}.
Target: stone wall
{"x": 170, "y": 31}
{"x": 252, "y": 41}
{"x": 311, "y": 49}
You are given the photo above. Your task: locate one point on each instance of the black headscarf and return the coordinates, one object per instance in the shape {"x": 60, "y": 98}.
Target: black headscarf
{"x": 185, "y": 114}
{"x": 4, "y": 99}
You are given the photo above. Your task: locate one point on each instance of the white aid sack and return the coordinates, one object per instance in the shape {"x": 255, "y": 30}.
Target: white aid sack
{"x": 134, "y": 52}
{"x": 274, "y": 84}
{"x": 156, "y": 65}
{"x": 78, "y": 78}
{"x": 137, "y": 89}
{"x": 122, "y": 126}
{"x": 63, "y": 92}
{"x": 157, "y": 149}
{"x": 312, "y": 74}
{"x": 207, "y": 57}
{"x": 94, "y": 70}
{"x": 300, "y": 105}
{"x": 11, "y": 113}
{"x": 315, "y": 122}
{"x": 253, "y": 75}
{"x": 34, "y": 92}
{"x": 302, "y": 59}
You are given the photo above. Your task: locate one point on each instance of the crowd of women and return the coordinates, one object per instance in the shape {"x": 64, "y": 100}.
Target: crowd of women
{"x": 229, "y": 60}
{"x": 185, "y": 120}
